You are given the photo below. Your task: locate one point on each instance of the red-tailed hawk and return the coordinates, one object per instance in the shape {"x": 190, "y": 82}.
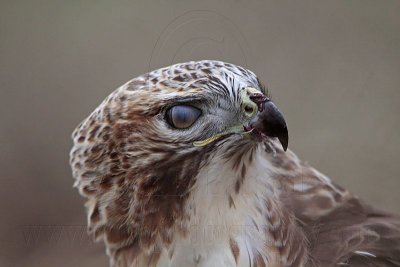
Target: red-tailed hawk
{"x": 187, "y": 166}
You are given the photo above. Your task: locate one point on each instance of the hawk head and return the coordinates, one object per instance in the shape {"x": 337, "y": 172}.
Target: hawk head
{"x": 142, "y": 157}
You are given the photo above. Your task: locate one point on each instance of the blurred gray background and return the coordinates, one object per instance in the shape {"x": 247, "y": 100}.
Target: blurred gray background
{"x": 333, "y": 68}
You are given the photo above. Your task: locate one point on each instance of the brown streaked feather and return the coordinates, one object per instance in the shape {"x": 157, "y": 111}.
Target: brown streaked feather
{"x": 234, "y": 249}
{"x": 337, "y": 224}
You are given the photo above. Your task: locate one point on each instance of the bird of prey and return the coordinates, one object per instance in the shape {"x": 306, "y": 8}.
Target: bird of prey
{"x": 188, "y": 166}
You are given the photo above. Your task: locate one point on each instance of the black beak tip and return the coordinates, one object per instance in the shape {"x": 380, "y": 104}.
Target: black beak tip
{"x": 284, "y": 139}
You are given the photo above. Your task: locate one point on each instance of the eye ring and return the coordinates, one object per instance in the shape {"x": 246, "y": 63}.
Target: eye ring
{"x": 182, "y": 116}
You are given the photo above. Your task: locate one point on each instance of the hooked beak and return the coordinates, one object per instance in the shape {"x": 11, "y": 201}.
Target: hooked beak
{"x": 268, "y": 121}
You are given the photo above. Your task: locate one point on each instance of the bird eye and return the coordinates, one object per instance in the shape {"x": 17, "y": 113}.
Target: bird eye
{"x": 182, "y": 117}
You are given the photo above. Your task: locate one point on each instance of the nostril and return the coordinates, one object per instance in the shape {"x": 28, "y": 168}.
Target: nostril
{"x": 248, "y": 109}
